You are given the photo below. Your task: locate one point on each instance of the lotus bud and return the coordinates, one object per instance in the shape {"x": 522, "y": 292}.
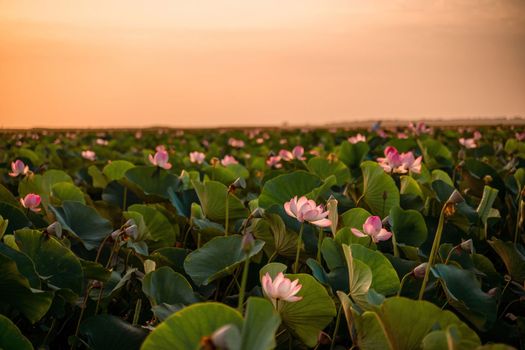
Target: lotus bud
{"x": 487, "y": 179}
{"x": 55, "y": 229}
{"x": 149, "y": 266}
{"x": 419, "y": 270}
{"x": 247, "y": 243}
{"x": 492, "y": 292}
{"x": 511, "y": 316}
{"x": 324, "y": 338}
{"x": 467, "y": 246}
{"x": 333, "y": 216}
{"x": 258, "y": 213}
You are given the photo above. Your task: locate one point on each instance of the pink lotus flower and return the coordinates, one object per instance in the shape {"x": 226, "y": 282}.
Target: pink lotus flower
{"x": 235, "y": 143}
{"x": 477, "y": 135}
{"x": 296, "y": 153}
{"x": 402, "y": 135}
{"x": 274, "y": 161}
{"x": 468, "y": 143}
{"x": 197, "y": 157}
{"x": 160, "y": 159}
{"x": 520, "y": 136}
{"x": 160, "y": 148}
{"x": 227, "y": 160}
{"x": 281, "y": 288}
{"x": 89, "y": 155}
{"x": 357, "y": 138}
{"x": 18, "y": 168}
{"x": 373, "y": 227}
{"x": 31, "y": 201}
{"x": 399, "y": 163}
{"x": 419, "y": 128}
{"x": 304, "y": 209}
{"x": 102, "y": 142}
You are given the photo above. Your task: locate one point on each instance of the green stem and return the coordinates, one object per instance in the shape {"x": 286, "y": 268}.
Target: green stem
{"x": 298, "y": 251}
{"x": 226, "y": 214}
{"x": 243, "y": 284}
{"x": 82, "y": 309}
{"x": 433, "y": 252}
{"x": 319, "y": 243}
{"x": 136, "y": 315}
{"x": 518, "y": 217}
{"x": 394, "y": 243}
{"x": 403, "y": 283}
{"x": 125, "y": 199}
{"x": 337, "y": 321}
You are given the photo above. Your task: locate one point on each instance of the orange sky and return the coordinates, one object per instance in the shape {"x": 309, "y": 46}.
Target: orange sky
{"x": 132, "y": 63}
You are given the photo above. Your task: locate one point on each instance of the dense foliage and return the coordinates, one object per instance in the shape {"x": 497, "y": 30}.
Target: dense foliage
{"x": 408, "y": 238}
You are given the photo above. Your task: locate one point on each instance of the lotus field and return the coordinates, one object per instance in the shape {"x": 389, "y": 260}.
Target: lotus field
{"x": 386, "y": 238}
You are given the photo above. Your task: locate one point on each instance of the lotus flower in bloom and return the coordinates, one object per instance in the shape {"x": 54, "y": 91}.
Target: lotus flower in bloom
{"x": 274, "y": 161}
{"x": 227, "y": 160}
{"x": 419, "y": 128}
{"x": 373, "y": 227}
{"x": 197, "y": 157}
{"x": 468, "y": 143}
{"x": 102, "y": 142}
{"x": 18, "y": 168}
{"x": 31, "y": 201}
{"x": 399, "y": 163}
{"x": 304, "y": 209}
{"x": 357, "y": 138}
{"x": 235, "y": 143}
{"x": 520, "y": 136}
{"x": 296, "y": 153}
{"x": 160, "y": 159}
{"x": 89, "y": 155}
{"x": 281, "y": 288}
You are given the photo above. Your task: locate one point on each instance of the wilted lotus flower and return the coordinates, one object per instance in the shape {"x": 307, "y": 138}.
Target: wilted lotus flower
{"x": 304, "y": 209}
{"x": 160, "y": 159}
{"x": 373, "y": 227}
{"x": 281, "y": 288}
{"x": 89, "y": 155}
{"x": 227, "y": 160}
{"x": 31, "y": 201}
{"x": 274, "y": 161}
{"x": 197, "y": 157}
{"x": 18, "y": 168}
{"x": 357, "y": 138}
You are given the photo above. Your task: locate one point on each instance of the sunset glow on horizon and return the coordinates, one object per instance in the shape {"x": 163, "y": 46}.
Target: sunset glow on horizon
{"x": 119, "y": 63}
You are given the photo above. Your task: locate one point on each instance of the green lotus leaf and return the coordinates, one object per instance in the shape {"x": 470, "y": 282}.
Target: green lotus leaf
{"x": 284, "y": 187}
{"x": 307, "y": 317}
{"x": 10, "y": 336}
{"x": 380, "y": 192}
{"x": 54, "y": 262}
{"x": 186, "y": 328}
{"x": 67, "y": 191}
{"x": 116, "y": 170}
{"x": 324, "y": 168}
{"x": 212, "y": 196}
{"x": 408, "y": 226}
{"x": 167, "y": 286}
{"x": 217, "y": 258}
{"x": 83, "y": 222}
{"x": 110, "y": 332}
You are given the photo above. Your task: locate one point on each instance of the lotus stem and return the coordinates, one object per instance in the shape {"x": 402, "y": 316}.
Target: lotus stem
{"x": 394, "y": 244}
{"x": 298, "y": 251}
{"x": 136, "y": 314}
{"x": 337, "y": 322}
{"x": 403, "y": 283}
{"x": 433, "y": 252}
{"x": 518, "y": 217}
{"x": 243, "y": 283}
{"x": 319, "y": 244}
{"x": 125, "y": 199}
{"x": 226, "y": 214}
